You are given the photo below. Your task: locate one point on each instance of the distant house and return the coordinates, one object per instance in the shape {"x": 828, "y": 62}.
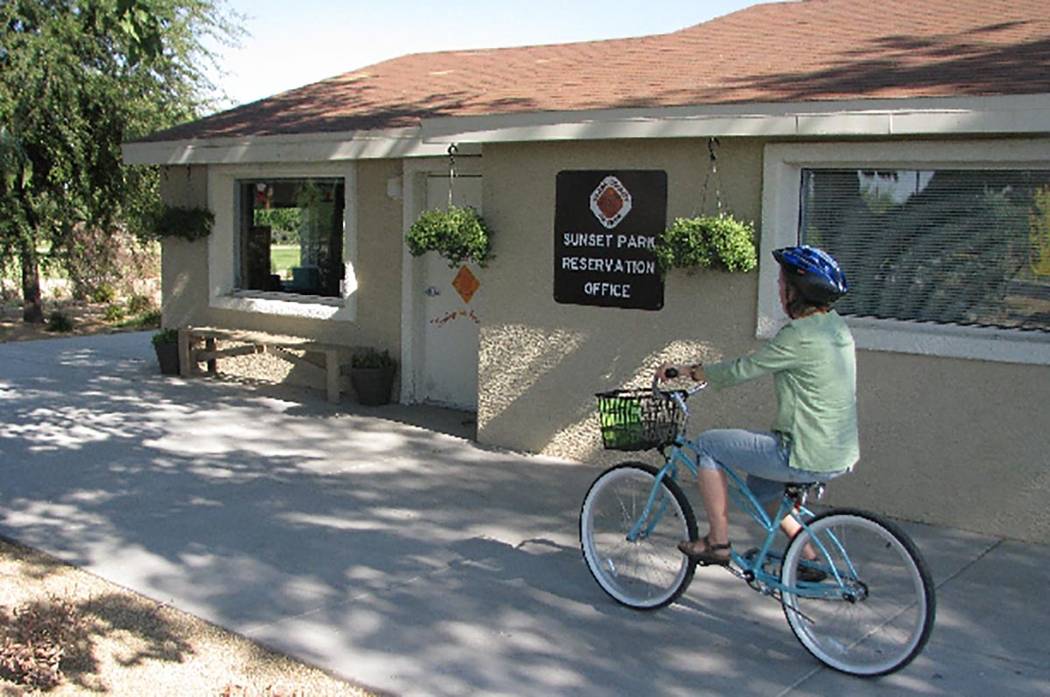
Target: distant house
{"x": 910, "y": 138}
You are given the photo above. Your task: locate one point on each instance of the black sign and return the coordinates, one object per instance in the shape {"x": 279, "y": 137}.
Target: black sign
{"x": 606, "y": 224}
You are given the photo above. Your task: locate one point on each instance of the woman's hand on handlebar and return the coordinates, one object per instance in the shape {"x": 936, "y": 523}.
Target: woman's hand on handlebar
{"x": 669, "y": 372}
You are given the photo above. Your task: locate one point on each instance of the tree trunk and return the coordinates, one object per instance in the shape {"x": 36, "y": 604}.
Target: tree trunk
{"x": 32, "y": 302}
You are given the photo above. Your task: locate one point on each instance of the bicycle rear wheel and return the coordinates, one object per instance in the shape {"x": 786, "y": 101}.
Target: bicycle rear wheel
{"x": 881, "y": 614}
{"x": 649, "y": 572}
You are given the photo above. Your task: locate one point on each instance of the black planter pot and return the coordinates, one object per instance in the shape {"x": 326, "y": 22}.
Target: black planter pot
{"x": 168, "y": 357}
{"x": 372, "y": 385}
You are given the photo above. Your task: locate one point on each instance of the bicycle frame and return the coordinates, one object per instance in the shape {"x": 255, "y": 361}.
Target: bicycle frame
{"x": 752, "y": 570}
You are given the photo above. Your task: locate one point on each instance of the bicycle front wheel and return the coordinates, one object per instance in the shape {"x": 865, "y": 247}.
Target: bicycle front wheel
{"x": 874, "y": 611}
{"x": 636, "y": 561}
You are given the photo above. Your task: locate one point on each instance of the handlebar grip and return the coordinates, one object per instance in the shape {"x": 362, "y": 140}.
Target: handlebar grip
{"x": 671, "y": 373}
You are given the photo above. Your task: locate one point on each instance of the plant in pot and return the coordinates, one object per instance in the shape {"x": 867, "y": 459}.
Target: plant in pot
{"x": 457, "y": 234}
{"x": 166, "y": 345}
{"x": 189, "y": 224}
{"x": 372, "y": 375}
{"x": 710, "y": 241}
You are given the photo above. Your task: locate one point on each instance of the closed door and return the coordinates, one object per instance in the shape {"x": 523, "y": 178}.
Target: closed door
{"x": 448, "y": 371}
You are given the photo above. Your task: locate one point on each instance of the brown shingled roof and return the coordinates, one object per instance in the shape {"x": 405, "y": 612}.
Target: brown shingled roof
{"x": 780, "y": 52}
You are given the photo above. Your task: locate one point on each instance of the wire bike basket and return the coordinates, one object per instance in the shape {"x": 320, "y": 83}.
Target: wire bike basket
{"x": 638, "y": 420}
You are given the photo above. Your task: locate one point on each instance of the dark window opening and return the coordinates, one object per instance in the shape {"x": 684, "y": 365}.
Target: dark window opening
{"x": 291, "y": 237}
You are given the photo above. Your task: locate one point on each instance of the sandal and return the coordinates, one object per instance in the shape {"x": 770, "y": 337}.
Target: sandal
{"x": 708, "y": 554}
{"x": 811, "y": 574}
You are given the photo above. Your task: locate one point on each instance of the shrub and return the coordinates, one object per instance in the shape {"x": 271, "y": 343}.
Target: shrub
{"x": 457, "y": 234}
{"x": 138, "y": 304}
{"x": 103, "y": 293}
{"x": 721, "y": 242}
{"x": 114, "y": 313}
{"x": 33, "y": 640}
{"x": 59, "y": 321}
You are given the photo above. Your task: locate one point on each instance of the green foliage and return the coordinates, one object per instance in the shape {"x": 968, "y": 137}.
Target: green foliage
{"x": 139, "y": 304}
{"x": 147, "y": 320}
{"x": 285, "y": 223}
{"x": 103, "y": 293}
{"x": 457, "y": 234}
{"x": 59, "y": 322}
{"x": 165, "y": 336}
{"x": 114, "y": 313}
{"x": 1039, "y": 232}
{"x": 720, "y": 242}
{"x": 189, "y": 224}
{"x": 76, "y": 80}
{"x": 371, "y": 358}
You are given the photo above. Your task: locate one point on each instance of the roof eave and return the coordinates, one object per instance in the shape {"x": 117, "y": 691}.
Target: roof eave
{"x": 986, "y": 115}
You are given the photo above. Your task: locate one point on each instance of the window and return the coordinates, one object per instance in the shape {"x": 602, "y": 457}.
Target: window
{"x": 950, "y": 246}
{"x": 291, "y": 236}
{"x": 946, "y": 244}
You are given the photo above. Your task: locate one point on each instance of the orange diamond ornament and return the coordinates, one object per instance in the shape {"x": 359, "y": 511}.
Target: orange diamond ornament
{"x": 465, "y": 283}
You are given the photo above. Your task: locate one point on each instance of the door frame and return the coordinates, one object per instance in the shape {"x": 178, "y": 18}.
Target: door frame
{"x": 414, "y": 195}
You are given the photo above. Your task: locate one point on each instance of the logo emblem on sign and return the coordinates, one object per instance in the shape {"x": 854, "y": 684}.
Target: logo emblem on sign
{"x": 610, "y": 202}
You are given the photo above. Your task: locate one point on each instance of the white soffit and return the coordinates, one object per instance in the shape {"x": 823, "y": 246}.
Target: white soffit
{"x": 1006, "y": 115}
{"x": 306, "y": 147}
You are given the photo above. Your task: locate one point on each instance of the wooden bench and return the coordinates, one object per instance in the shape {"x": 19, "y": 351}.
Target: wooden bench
{"x": 192, "y": 354}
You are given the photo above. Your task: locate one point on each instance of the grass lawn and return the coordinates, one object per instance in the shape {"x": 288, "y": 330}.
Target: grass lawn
{"x": 282, "y": 258}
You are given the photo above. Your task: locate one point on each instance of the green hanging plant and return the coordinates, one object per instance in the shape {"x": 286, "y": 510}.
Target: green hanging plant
{"x": 457, "y": 234}
{"x": 189, "y": 224}
{"x": 720, "y": 242}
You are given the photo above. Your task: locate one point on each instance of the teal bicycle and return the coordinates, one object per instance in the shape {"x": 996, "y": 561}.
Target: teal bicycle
{"x": 865, "y": 606}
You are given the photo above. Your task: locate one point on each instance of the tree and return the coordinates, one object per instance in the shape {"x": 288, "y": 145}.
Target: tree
{"x": 77, "y": 78}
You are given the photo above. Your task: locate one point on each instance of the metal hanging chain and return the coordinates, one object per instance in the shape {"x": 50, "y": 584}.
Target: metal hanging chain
{"x": 712, "y": 173}
{"x": 452, "y": 150}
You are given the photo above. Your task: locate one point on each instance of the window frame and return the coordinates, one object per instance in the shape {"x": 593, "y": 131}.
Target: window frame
{"x": 224, "y": 244}
{"x": 781, "y": 200}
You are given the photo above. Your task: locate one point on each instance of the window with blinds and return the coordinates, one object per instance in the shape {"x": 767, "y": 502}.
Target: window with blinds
{"x": 952, "y": 246}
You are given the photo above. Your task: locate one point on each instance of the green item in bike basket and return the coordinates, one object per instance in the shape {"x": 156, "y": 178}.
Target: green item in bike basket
{"x": 621, "y": 422}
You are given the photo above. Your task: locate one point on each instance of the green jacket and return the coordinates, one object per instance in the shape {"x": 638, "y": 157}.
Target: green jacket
{"x": 815, "y": 376}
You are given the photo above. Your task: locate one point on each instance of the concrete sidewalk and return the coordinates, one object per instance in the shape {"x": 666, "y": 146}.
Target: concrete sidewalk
{"x": 415, "y": 562}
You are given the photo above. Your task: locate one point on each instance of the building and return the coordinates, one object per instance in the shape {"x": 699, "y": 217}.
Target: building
{"x": 913, "y": 139}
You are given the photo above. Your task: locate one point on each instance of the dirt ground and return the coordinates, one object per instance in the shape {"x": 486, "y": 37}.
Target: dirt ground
{"x": 87, "y": 318}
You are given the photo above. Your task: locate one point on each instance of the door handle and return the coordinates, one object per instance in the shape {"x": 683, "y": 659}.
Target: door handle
{"x": 431, "y": 292}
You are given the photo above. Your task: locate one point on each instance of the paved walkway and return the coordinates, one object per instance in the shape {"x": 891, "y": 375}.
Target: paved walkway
{"x": 415, "y": 562}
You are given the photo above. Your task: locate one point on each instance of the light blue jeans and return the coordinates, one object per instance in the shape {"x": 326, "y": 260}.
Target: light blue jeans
{"x": 762, "y": 455}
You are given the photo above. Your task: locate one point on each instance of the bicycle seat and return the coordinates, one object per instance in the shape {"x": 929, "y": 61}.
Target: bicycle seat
{"x": 800, "y": 491}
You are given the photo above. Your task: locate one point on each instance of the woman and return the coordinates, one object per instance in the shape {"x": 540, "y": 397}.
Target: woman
{"x": 814, "y": 434}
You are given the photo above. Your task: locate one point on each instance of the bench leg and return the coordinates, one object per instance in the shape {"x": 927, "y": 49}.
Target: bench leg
{"x": 331, "y": 365}
{"x": 185, "y": 353}
{"x": 209, "y": 345}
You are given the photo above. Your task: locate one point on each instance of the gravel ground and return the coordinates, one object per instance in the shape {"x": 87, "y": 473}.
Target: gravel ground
{"x": 134, "y": 646}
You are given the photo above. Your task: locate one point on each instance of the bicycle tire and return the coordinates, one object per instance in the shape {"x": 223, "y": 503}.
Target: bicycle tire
{"x": 883, "y": 617}
{"x": 650, "y": 572}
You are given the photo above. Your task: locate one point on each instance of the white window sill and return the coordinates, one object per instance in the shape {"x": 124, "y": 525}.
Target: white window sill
{"x": 285, "y": 305}
{"x": 945, "y": 340}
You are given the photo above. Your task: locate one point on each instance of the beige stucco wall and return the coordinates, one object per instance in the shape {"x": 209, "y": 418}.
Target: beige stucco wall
{"x": 377, "y": 267}
{"x": 947, "y": 441}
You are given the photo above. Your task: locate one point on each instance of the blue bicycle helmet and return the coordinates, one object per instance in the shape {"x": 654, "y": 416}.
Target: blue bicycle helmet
{"x": 814, "y": 272}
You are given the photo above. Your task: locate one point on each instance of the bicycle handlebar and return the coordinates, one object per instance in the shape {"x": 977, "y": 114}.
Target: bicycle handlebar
{"x": 679, "y": 396}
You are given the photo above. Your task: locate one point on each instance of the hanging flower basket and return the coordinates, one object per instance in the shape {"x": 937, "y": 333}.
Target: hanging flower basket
{"x": 189, "y": 224}
{"x": 457, "y": 234}
{"x": 720, "y": 242}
